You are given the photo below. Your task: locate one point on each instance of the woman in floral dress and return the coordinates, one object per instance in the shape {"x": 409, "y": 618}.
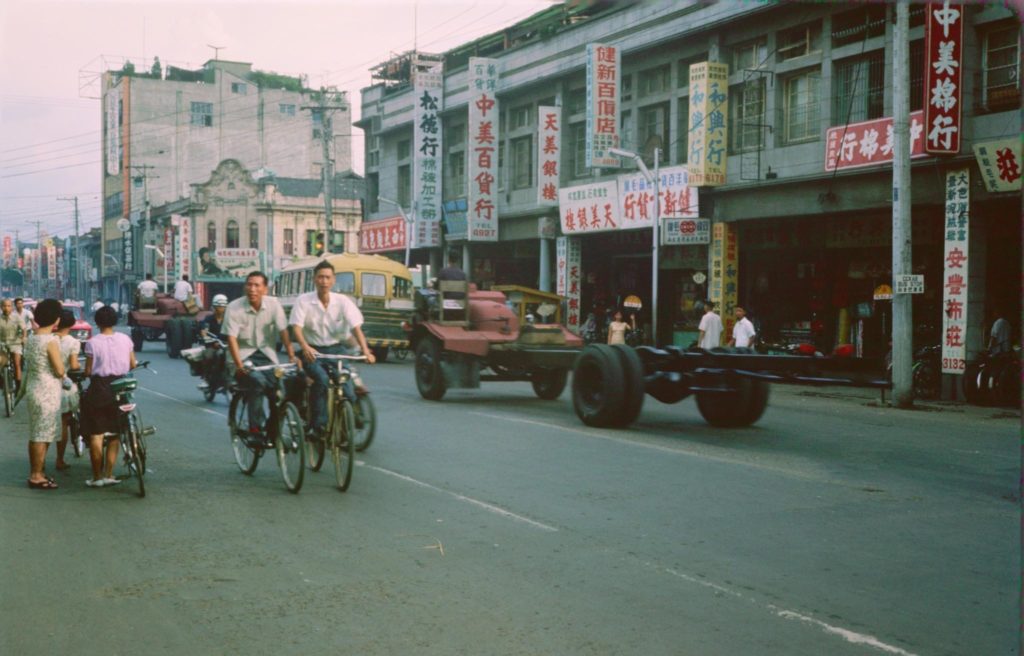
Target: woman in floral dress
{"x": 44, "y": 372}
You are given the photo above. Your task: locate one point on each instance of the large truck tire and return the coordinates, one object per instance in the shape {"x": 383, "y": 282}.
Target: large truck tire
{"x": 633, "y": 384}
{"x": 429, "y": 376}
{"x": 380, "y": 353}
{"x": 138, "y": 339}
{"x": 548, "y": 384}
{"x": 597, "y": 386}
{"x": 742, "y": 406}
{"x": 174, "y": 337}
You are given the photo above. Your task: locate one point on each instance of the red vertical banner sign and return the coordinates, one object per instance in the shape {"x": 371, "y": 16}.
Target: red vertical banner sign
{"x": 954, "y": 286}
{"x": 943, "y": 73}
{"x": 549, "y": 149}
{"x": 482, "y": 150}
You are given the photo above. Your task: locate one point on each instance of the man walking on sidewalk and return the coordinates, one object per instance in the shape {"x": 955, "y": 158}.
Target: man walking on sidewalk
{"x": 710, "y": 328}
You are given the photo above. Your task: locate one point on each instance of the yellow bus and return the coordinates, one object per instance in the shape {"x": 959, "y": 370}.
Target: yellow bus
{"x": 381, "y": 287}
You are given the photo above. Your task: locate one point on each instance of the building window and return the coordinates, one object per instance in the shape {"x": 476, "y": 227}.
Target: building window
{"x": 747, "y": 105}
{"x": 404, "y": 185}
{"x": 403, "y": 149}
{"x": 653, "y": 81}
{"x": 802, "y": 111}
{"x": 317, "y": 117}
{"x": 653, "y": 130}
{"x": 455, "y": 135}
{"x": 683, "y": 69}
{"x": 626, "y": 128}
{"x": 522, "y": 162}
{"x": 683, "y": 128}
{"x": 627, "y": 88}
{"x": 202, "y": 114}
{"x": 287, "y": 109}
{"x": 858, "y": 87}
{"x": 916, "y": 75}
{"x": 1001, "y": 68}
{"x": 857, "y": 25}
{"x": 289, "y": 241}
{"x": 239, "y": 88}
{"x": 577, "y": 101}
{"x": 232, "y": 235}
{"x": 455, "y": 174}
{"x": 211, "y": 236}
{"x": 749, "y": 56}
{"x": 254, "y": 235}
{"x": 579, "y": 150}
{"x": 799, "y": 41}
{"x": 519, "y": 117}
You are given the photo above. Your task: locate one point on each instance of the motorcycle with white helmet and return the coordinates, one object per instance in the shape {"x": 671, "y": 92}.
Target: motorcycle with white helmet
{"x": 208, "y": 361}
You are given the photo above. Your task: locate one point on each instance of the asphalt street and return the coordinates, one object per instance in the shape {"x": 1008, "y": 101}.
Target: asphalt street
{"x": 496, "y": 523}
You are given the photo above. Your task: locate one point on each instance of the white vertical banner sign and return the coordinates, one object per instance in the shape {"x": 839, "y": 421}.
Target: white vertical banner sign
{"x": 428, "y": 93}
{"x": 709, "y": 111}
{"x": 113, "y": 149}
{"x": 603, "y": 65}
{"x": 568, "y": 277}
{"x": 549, "y": 154}
{"x": 51, "y": 262}
{"x": 954, "y": 287}
{"x": 184, "y": 246}
{"x": 482, "y": 150}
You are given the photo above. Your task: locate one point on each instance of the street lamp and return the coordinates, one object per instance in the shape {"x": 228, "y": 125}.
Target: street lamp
{"x": 408, "y": 225}
{"x": 160, "y": 253}
{"x": 656, "y": 233}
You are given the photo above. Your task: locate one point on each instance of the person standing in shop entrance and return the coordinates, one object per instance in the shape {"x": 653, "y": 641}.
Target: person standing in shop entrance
{"x": 743, "y": 334}
{"x": 710, "y": 328}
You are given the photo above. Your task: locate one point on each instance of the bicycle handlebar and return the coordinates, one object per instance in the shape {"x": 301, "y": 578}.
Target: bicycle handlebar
{"x": 288, "y": 366}
{"x": 328, "y": 356}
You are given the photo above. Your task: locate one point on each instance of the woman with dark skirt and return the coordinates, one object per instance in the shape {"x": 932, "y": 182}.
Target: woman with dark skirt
{"x": 108, "y": 356}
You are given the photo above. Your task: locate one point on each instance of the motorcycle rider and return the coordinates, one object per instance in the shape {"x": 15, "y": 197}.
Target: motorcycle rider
{"x": 213, "y": 362}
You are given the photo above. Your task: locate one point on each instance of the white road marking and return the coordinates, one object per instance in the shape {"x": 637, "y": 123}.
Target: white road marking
{"x": 185, "y": 403}
{"x": 497, "y": 510}
{"x": 850, "y": 636}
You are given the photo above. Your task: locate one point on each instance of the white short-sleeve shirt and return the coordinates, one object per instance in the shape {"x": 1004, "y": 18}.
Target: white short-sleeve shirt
{"x": 182, "y": 289}
{"x": 743, "y": 332}
{"x": 711, "y": 324}
{"x": 255, "y": 330}
{"x": 325, "y": 326}
{"x": 147, "y": 288}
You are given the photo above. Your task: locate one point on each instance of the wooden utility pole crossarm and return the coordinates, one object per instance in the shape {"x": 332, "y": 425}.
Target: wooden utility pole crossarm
{"x": 329, "y": 101}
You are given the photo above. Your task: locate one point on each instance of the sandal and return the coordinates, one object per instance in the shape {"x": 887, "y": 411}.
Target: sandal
{"x": 47, "y": 484}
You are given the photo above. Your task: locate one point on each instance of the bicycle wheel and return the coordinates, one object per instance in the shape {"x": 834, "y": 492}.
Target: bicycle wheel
{"x": 365, "y": 422}
{"x": 238, "y": 423}
{"x": 8, "y": 392}
{"x": 291, "y": 450}
{"x": 131, "y": 436}
{"x": 141, "y": 441}
{"x": 315, "y": 451}
{"x": 343, "y": 428}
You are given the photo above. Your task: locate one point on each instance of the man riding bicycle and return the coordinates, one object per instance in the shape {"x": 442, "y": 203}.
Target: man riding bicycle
{"x": 214, "y": 357}
{"x": 12, "y": 335}
{"x": 322, "y": 321}
{"x": 252, "y": 326}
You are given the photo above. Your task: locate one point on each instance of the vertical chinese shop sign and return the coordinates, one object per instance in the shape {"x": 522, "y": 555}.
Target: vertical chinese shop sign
{"x": 723, "y": 286}
{"x": 603, "y": 63}
{"x": 568, "y": 277}
{"x": 184, "y": 224}
{"x": 483, "y": 150}
{"x": 954, "y": 287}
{"x": 943, "y": 72}
{"x": 709, "y": 107}
{"x": 428, "y": 91}
{"x": 549, "y": 149}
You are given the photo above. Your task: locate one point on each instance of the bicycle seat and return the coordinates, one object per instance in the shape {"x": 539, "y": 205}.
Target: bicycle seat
{"x": 122, "y": 385}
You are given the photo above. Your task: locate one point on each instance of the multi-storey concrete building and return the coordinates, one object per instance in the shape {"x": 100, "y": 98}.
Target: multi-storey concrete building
{"x": 814, "y": 239}
{"x": 165, "y": 130}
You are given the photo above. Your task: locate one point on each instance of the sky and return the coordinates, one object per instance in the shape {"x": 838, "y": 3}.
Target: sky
{"x": 50, "y": 131}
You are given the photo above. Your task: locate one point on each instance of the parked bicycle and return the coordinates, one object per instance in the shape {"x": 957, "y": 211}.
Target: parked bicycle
{"x": 7, "y": 379}
{"x": 131, "y": 432}
{"x": 283, "y": 431}
{"x": 350, "y": 426}
{"x": 75, "y": 436}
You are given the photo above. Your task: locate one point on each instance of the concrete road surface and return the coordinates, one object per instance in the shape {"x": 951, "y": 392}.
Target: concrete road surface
{"x": 496, "y": 523}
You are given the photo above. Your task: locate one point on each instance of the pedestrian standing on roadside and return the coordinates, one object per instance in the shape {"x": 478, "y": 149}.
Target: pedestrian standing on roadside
{"x": 69, "y": 350}
{"x": 108, "y": 356}
{"x": 999, "y": 336}
{"x": 617, "y": 328}
{"x": 710, "y": 328}
{"x": 182, "y": 289}
{"x": 44, "y": 372}
{"x": 743, "y": 334}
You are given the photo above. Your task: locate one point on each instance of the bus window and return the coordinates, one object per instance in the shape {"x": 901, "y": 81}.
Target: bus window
{"x": 345, "y": 283}
{"x": 374, "y": 284}
{"x": 401, "y": 287}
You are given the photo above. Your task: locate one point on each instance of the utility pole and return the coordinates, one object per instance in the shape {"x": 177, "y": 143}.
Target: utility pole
{"x": 329, "y": 102}
{"x": 902, "y": 310}
{"x": 78, "y": 252}
{"x": 145, "y": 175}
